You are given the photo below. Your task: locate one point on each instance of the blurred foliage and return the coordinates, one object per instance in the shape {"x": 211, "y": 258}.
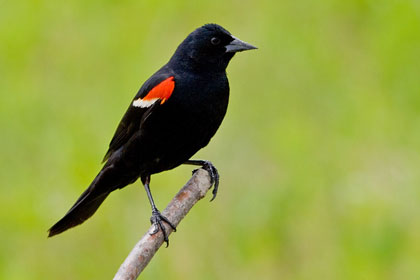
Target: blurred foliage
{"x": 319, "y": 151}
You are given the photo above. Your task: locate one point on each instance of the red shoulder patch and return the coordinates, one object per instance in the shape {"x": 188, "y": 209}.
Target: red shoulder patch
{"x": 162, "y": 91}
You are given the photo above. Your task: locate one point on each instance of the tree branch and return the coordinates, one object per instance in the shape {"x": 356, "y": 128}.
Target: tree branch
{"x": 195, "y": 189}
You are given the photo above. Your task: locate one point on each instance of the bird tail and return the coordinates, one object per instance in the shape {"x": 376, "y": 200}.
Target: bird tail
{"x": 83, "y": 209}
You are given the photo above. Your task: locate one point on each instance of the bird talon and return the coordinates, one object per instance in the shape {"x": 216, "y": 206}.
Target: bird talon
{"x": 156, "y": 220}
{"x": 214, "y": 177}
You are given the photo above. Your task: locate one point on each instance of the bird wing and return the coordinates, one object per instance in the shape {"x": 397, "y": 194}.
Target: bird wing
{"x": 155, "y": 91}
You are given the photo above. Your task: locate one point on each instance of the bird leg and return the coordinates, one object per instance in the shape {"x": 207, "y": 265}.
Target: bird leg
{"x": 211, "y": 169}
{"x": 157, "y": 217}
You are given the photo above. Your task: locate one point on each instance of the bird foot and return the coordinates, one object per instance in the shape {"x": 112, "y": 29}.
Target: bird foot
{"x": 214, "y": 175}
{"x": 156, "y": 220}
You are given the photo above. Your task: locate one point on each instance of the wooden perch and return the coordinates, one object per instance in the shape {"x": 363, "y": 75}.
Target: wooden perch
{"x": 195, "y": 189}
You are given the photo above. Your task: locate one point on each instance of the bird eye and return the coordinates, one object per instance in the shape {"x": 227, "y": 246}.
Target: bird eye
{"x": 215, "y": 40}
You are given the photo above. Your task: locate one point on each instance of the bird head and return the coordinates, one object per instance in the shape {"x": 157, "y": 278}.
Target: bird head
{"x": 209, "y": 46}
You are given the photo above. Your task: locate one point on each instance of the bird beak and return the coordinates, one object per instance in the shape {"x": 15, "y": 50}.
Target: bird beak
{"x": 238, "y": 46}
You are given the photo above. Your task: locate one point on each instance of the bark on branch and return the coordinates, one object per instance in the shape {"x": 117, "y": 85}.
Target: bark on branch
{"x": 195, "y": 189}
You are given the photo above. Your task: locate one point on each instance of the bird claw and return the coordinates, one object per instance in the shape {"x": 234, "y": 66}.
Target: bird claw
{"x": 211, "y": 169}
{"x": 214, "y": 177}
{"x": 156, "y": 220}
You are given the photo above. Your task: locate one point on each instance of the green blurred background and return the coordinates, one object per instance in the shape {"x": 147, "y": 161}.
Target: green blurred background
{"x": 318, "y": 154}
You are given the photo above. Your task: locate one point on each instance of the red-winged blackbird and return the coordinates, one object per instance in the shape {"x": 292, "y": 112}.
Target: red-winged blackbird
{"x": 173, "y": 115}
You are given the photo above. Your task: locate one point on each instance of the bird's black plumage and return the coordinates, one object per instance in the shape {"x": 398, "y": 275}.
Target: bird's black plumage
{"x": 174, "y": 114}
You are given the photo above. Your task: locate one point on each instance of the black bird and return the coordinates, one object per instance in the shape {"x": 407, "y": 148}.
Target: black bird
{"x": 174, "y": 114}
